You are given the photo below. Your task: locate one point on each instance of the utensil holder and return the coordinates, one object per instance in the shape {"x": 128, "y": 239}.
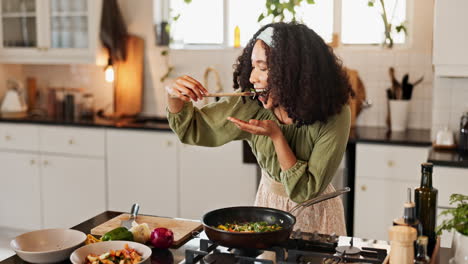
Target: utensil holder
{"x": 398, "y": 114}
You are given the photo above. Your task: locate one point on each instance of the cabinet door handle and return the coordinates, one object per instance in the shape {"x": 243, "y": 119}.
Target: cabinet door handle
{"x": 7, "y": 137}
{"x": 71, "y": 142}
{"x": 169, "y": 143}
{"x": 32, "y": 162}
{"x": 390, "y": 163}
{"x": 46, "y": 162}
{"x": 363, "y": 188}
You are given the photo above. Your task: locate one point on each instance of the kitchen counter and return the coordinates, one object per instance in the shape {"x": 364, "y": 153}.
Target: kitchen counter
{"x": 449, "y": 158}
{"x": 128, "y": 123}
{"x": 158, "y": 256}
{"x": 164, "y": 256}
{"x": 380, "y": 135}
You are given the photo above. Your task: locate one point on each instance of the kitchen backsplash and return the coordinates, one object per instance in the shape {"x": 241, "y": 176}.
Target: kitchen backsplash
{"x": 450, "y": 101}
{"x": 372, "y": 67}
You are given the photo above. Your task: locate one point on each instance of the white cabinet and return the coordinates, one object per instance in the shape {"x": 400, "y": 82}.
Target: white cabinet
{"x": 20, "y": 191}
{"x": 49, "y": 31}
{"x": 383, "y": 174}
{"x": 213, "y": 178}
{"x": 450, "y": 54}
{"x": 19, "y": 137}
{"x": 142, "y": 167}
{"x": 73, "y": 190}
{"x": 40, "y": 190}
{"x": 448, "y": 181}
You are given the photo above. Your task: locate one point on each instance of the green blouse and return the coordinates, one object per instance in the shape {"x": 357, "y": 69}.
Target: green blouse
{"x": 319, "y": 147}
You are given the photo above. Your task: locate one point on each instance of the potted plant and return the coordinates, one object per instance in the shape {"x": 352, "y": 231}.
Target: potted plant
{"x": 459, "y": 222}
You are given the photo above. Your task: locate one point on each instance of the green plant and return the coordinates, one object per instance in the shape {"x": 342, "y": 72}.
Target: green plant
{"x": 459, "y": 220}
{"x": 276, "y": 9}
{"x": 389, "y": 28}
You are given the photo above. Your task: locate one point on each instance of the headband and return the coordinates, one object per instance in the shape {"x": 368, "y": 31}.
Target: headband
{"x": 267, "y": 36}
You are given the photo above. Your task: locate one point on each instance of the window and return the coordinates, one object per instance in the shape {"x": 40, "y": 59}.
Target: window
{"x": 362, "y": 24}
{"x": 212, "y": 22}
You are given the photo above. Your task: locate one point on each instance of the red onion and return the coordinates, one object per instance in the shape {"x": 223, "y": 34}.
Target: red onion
{"x": 162, "y": 237}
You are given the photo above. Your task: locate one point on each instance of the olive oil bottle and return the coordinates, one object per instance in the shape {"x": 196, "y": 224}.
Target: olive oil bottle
{"x": 426, "y": 205}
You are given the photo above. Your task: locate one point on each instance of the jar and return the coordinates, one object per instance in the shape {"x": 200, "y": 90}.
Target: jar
{"x": 87, "y": 107}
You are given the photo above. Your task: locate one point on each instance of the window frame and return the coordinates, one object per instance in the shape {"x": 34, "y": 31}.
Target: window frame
{"x": 337, "y": 17}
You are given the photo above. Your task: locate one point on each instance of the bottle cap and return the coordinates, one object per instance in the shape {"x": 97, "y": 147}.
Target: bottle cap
{"x": 426, "y": 167}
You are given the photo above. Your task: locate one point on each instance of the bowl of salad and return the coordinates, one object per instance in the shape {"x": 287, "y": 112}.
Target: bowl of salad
{"x": 112, "y": 252}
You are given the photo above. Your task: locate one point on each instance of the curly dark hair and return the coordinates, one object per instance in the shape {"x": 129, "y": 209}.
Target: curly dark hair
{"x": 304, "y": 75}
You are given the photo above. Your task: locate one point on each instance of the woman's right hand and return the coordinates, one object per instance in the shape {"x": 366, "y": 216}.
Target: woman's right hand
{"x": 186, "y": 88}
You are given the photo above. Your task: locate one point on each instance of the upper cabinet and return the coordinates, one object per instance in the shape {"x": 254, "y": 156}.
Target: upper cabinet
{"x": 49, "y": 31}
{"x": 450, "y": 38}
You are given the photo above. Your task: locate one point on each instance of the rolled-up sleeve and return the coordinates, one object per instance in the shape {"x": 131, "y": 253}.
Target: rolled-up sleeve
{"x": 307, "y": 179}
{"x": 208, "y": 126}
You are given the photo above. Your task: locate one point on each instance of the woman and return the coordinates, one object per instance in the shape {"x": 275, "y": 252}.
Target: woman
{"x": 297, "y": 128}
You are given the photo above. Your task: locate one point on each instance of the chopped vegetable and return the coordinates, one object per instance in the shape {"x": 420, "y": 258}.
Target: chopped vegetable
{"x": 125, "y": 256}
{"x": 141, "y": 232}
{"x": 249, "y": 227}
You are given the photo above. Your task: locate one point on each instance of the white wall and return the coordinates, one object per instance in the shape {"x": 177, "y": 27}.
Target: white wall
{"x": 371, "y": 63}
{"x": 450, "y": 102}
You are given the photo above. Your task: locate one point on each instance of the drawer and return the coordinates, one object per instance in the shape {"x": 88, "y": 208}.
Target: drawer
{"x": 449, "y": 181}
{"x": 390, "y": 162}
{"x": 19, "y": 137}
{"x": 72, "y": 140}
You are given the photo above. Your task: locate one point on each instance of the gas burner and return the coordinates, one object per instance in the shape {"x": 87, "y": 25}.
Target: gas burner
{"x": 348, "y": 250}
{"x": 301, "y": 248}
{"x": 222, "y": 258}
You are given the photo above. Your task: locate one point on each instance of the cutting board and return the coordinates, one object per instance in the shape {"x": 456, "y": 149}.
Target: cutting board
{"x": 181, "y": 228}
{"x": 128, "y": 89}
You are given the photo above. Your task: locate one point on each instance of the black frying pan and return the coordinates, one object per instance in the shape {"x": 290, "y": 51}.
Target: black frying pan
{"x": 255, "y": 214}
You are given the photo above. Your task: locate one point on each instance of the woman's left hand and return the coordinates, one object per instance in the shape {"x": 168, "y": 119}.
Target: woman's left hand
{"x": 258, "y": 127}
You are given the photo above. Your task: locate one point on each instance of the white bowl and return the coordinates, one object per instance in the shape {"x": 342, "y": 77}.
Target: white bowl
{"x": 79, "y": 255}
{"x": 47, "y": 245}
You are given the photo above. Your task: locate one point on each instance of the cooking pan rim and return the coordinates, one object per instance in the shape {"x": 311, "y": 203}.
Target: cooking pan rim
{"x": 246, "y": 233}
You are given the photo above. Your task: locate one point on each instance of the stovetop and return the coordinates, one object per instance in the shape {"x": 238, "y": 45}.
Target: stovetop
{"x": 301, "y": 248}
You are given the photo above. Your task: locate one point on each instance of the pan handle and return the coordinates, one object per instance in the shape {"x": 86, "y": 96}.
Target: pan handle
{"x": 320, "y": 198}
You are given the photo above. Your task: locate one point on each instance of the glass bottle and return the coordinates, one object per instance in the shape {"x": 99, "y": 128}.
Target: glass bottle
{"x": 426, "y": 205}
{"x": 463, "y": 142}
{"x": 236, "y": 37}
{"x": 421, "y": 255}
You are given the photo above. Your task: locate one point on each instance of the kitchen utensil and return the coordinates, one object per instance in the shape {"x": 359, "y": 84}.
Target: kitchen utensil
{"x": 396, "y": 86}
{"x": 47, "y": 245}
{"x": 13, "y": 105}
{"x": 128, "y": 90}
{"x": 181, "y": 228}
{"x": 358, "y": 101}
{"x": 133, "y": 214}
{"x": 402, "y": 251}
{"x": 31, "y": 92}
{"x": 78, "y": 256}
{"x": 405, "y": 87}
{"x": 256, "y": 214}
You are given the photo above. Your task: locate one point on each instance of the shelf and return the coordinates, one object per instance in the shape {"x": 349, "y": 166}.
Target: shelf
{"x": 19, "y": 15}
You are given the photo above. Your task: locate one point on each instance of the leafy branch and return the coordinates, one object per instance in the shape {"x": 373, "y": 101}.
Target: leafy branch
{"x": 459, "y": 220}
{"x": 276, "y": 9}
{"x": 388, "y": 41}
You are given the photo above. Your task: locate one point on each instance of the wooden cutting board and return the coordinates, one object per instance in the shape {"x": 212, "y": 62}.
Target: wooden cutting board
{"x": 181, "y": 228}
{"x": 128, "y": 89}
